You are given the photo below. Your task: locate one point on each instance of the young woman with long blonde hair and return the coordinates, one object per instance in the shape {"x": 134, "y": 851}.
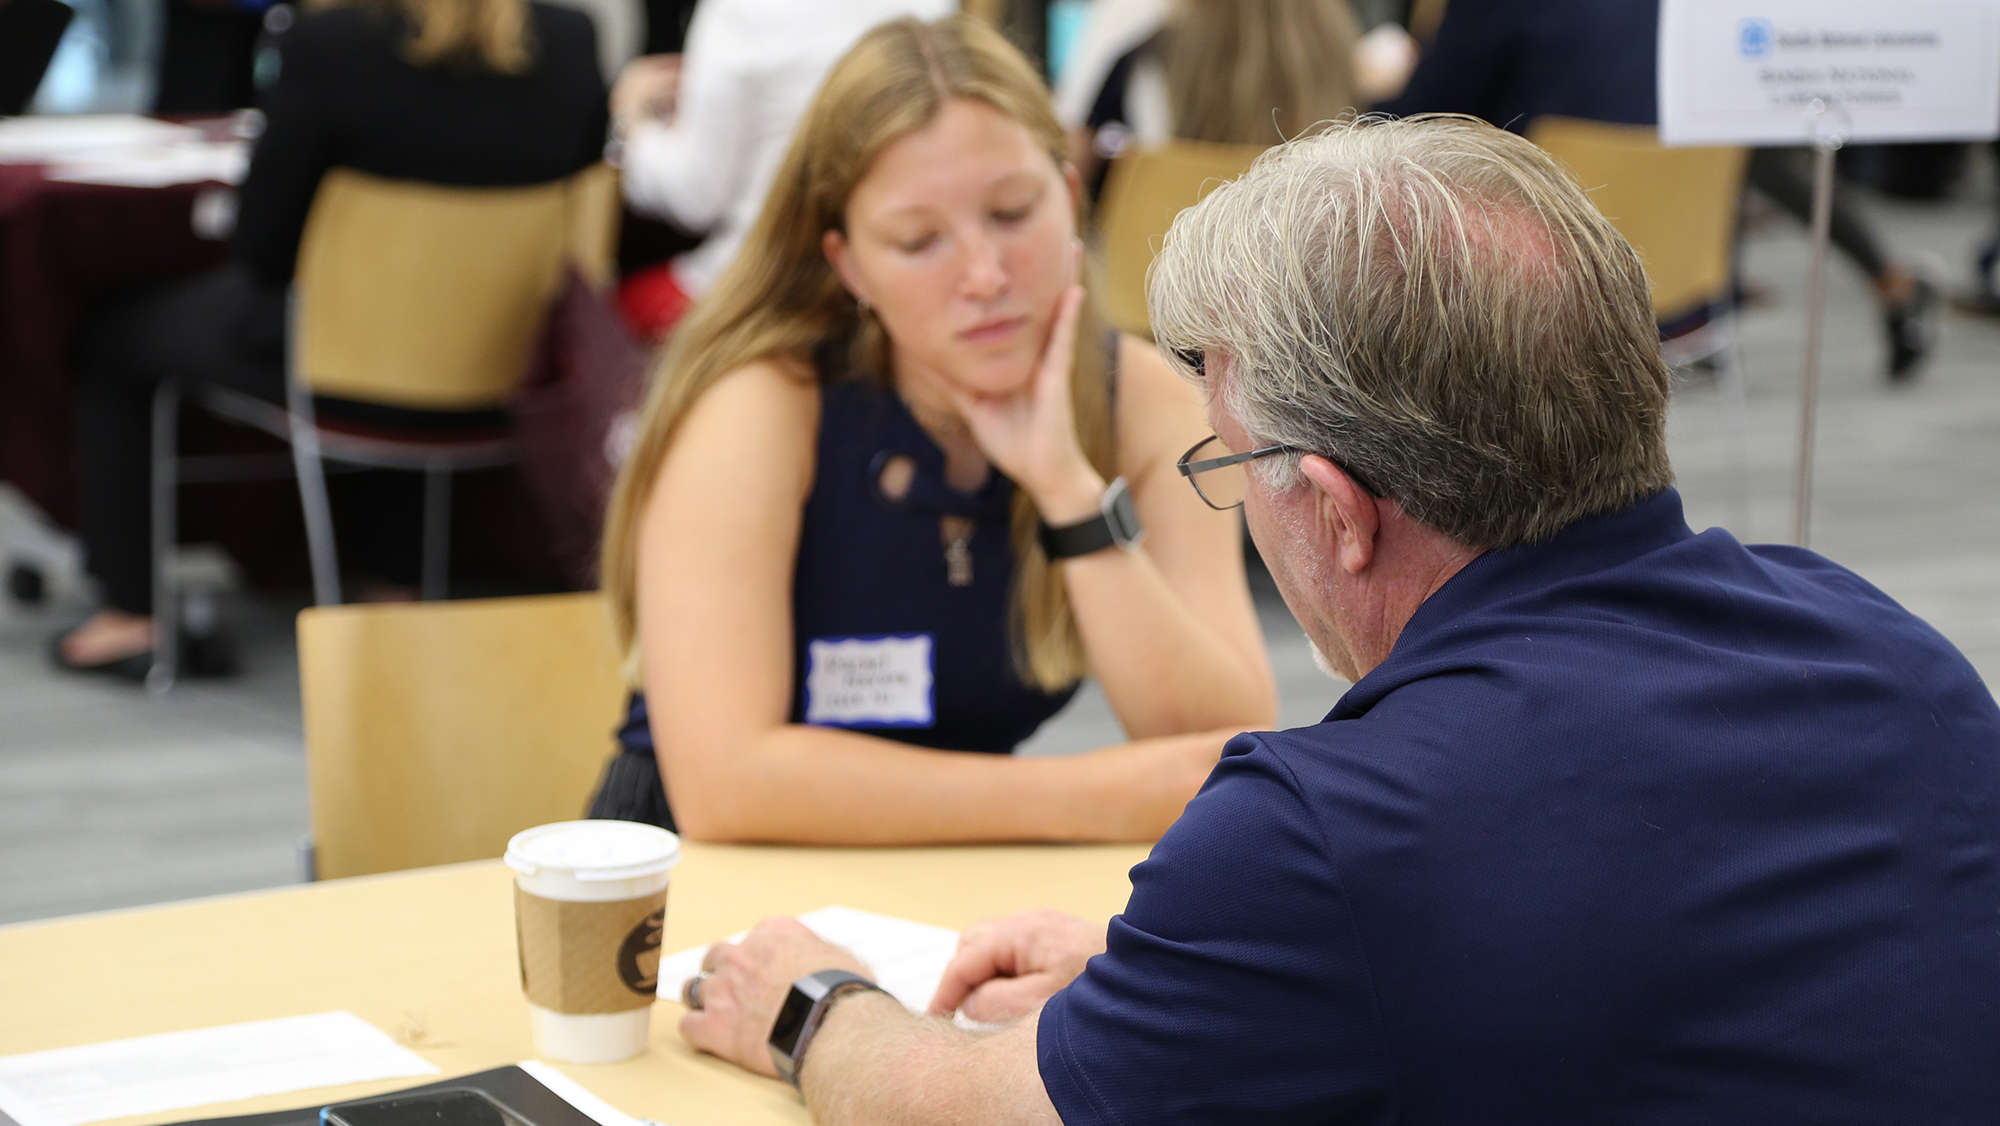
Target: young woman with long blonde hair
{"x": 830, "y": 550}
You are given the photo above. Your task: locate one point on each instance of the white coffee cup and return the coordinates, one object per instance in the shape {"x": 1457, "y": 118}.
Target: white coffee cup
{"x": 590, "y": 899}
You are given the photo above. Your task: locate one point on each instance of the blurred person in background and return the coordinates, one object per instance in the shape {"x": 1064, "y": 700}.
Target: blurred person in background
{"x": 1983, "y": 297}
{"x": 1227, "y": 72}
{"x": 207, "y": 53}
{"x": 701, "y": 132}
{"x": 1511, "y": 61}
{"x": 1109, "y": 29}
{"x": 1908, "y": 301}
{"x": 888, "y": 499}
{"x": 621, "y": 30}
{"x": 459, "y": 92}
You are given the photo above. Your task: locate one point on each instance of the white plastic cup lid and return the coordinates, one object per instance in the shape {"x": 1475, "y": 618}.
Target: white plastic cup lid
{"x": 594, "y": 850}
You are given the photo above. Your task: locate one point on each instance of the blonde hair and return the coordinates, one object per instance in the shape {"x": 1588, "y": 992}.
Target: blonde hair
{"x": 780, "y": 298}
{"x": 491, "y": 34}
{"x": 1437, "y": 306}
{"x": 1258, "y": 71}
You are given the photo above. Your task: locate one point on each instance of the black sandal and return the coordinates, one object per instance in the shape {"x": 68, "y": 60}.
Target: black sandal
{"x": 132, "y": 666}
{"x": 1912, "y": 328}
{"x": 209, "y": 656}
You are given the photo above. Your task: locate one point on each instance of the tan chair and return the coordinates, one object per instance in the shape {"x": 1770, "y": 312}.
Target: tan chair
{"x": 435, "y": 731}
{"x": 407, "y": 295}
{"x": 1678, "y": 208}
{"x": 1145, "y": 190}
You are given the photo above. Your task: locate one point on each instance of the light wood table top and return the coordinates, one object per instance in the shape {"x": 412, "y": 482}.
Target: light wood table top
{"x": 428, "y": 957}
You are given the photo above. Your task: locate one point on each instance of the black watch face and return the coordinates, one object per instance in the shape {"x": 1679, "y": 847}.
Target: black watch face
{"x": 791, "y": 1018}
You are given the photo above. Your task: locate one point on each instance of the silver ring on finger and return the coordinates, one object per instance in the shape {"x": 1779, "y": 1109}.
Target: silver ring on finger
{"x": 691, "y": 992}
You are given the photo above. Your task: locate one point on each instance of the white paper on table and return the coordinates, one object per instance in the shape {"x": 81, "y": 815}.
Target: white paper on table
{"x": 159, "y": 166}
{"x": 201, "y": 1066}
{"x": 579, "y": 1096}
{"x": 905, "y": 957}
{"x": 57, "y": 136}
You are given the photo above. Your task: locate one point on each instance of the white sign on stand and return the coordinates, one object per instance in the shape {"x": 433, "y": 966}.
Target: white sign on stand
{"x": 1825, "y": 73}
{"x": 1749, "y": 72}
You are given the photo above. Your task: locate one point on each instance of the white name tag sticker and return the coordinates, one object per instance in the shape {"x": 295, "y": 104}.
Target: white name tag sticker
{"x": 870, "y": 682}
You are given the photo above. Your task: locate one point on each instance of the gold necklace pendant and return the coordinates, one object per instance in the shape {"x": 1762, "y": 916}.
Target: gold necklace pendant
{"x": 956, "y": 532}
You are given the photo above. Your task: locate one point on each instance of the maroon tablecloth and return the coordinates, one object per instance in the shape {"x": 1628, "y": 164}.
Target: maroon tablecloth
{"x": 63, "y": 247}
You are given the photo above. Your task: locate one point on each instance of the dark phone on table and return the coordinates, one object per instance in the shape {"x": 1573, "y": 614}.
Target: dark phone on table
{"x": 453, "y": 1106}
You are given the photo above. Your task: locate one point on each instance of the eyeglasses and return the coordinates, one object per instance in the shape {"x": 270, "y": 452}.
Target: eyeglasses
{"x": 1222, "y": 481}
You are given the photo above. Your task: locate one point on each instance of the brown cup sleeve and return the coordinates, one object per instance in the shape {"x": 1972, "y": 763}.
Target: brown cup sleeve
{"x": 582, "y": 957}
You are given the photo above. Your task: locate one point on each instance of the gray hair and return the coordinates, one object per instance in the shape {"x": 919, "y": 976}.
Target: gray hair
{"x": 1436, "y": 305}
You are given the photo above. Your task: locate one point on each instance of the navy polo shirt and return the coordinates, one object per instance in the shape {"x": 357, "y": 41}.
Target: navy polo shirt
{"x": 1639, "y": 826}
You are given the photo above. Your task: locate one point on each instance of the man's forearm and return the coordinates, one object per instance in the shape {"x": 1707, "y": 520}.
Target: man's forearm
{"x": 875, "y": 1062}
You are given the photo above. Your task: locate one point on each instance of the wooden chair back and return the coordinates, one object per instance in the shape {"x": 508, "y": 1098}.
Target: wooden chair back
{"x": 427, "y": 297}
{"x": 1676, "y": 206}
{"x": 437, "y": 730}
{"x": 1145, "y": 190}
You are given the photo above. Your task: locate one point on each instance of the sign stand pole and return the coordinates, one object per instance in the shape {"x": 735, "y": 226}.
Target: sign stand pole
{"x": 1827, "y": 138}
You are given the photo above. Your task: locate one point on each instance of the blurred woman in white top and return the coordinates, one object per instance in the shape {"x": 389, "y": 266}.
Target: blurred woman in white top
{"x": 702, "y": 133}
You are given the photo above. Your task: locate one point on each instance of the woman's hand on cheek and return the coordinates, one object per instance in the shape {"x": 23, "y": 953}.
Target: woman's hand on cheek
{"x": 1031, "y": 434}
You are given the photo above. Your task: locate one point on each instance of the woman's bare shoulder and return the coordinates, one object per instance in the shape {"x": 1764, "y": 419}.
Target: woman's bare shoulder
{"x": 1159, "y": 413}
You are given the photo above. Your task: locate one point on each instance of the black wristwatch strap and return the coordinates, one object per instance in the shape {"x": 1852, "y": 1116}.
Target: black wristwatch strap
{"x": 1072, "y": 540}
{"x": 1117, "y": 525}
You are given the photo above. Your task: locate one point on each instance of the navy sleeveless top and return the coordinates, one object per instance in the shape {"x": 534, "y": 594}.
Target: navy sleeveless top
{"x": 883, "y": 641}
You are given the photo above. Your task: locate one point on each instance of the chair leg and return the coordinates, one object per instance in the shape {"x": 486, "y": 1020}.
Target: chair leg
{"x": 312, "y": 497}
{"x": 437, "y": 531}
{"x": 165, "y": 482}
{"x": 1735, "y": 396}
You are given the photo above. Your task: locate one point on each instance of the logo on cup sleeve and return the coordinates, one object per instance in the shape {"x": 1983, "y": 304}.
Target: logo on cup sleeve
{"x": 639, "y": 955}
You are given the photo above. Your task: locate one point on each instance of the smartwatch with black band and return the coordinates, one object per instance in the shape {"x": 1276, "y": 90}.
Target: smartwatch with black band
{"x": 804, "y": 1010}
{"x": 1115, "y": 525}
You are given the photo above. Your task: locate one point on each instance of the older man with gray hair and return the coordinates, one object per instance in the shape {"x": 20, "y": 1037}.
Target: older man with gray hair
{"x": 1618, "y": 823}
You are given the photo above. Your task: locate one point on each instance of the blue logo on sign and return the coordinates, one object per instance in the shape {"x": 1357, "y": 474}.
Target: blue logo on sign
{"x": 1756, "y": 38}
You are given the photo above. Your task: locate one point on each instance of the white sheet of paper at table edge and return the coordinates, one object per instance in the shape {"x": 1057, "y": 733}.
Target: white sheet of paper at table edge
{"x": 200, "y": 1066}
{"x": 579, "y": 1096}
{"x": 36, "y": 139}
{"x": 221, "y": 161}
{"x": 905, "y": 957}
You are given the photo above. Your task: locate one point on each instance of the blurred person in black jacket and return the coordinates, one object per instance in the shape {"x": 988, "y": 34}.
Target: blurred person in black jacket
{"x": 456, "y": 92}
{"x": 1511, "y": 61}
{"x": 207, "y": 53}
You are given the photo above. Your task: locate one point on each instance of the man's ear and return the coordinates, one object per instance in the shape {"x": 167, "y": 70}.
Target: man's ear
{"x": 833, "y": 244}
{"x": 1348, "y": 511}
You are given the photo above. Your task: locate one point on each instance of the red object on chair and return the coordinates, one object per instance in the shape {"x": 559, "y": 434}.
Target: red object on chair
{"x": 653, "y": 302}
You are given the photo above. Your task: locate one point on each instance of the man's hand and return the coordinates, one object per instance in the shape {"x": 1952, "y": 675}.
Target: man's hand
{"x": 1004, "y": 968}
{"x": 748, "y": 982}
